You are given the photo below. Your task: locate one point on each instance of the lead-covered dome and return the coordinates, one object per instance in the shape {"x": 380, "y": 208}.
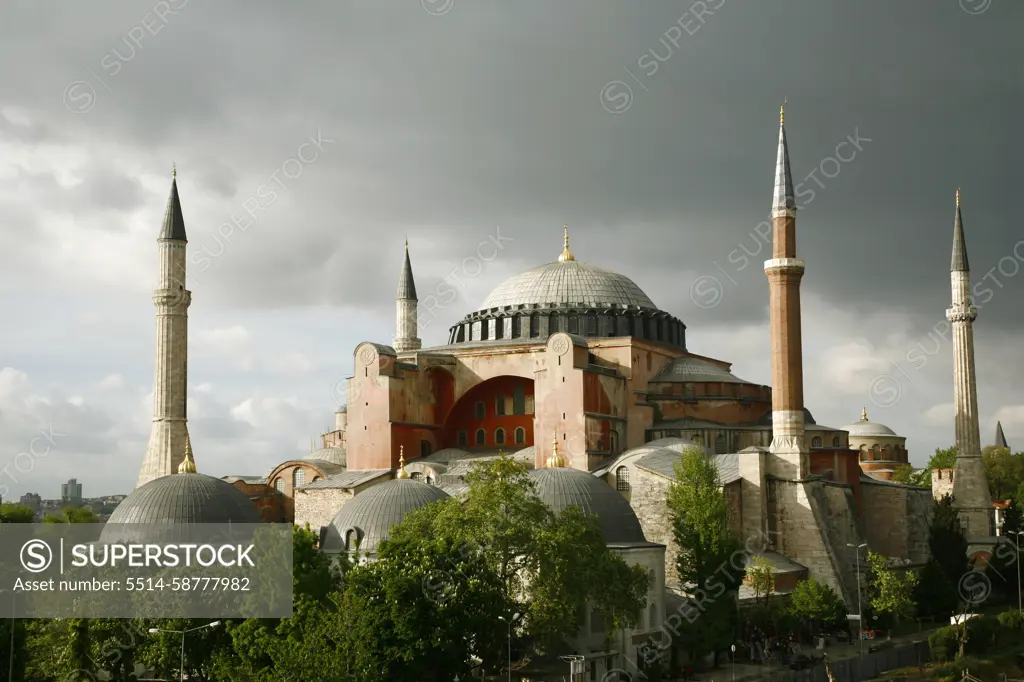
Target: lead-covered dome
{"x": 561, "y": 487}
{"x": 867, "y": 429}
{"x": 568, "y": 283}
{"x": 185, "y": 498}
{"x": 366, "y": 520}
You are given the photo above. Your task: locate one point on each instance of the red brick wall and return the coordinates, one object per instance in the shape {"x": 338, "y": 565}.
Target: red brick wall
{"x": 463, "y": 415}
{"x": 273, "y": 506}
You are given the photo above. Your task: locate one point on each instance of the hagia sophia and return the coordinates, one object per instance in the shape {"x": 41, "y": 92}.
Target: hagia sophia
{"x": 573, "y": 370}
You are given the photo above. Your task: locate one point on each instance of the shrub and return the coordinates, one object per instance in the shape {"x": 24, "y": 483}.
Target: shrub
{"x": 1011, "y": 620}
{"x": 981, "y": 635}
{"x": 943, "y": 643}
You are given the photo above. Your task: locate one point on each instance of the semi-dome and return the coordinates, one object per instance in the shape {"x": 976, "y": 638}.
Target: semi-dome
{"x": 561, "y": 487}
{"x": 185, "y": 498}
{"x": 568, "y": 283}
{"x": 865, "y": 428}
{"x": 371, "y": 514}
{"x": 332, "y": 455}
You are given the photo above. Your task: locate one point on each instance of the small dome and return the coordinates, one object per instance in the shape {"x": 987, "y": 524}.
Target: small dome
{"x": 560, "y": 487}
{"x": 866, "y": 429}
{"x": 186, "y": 498}
{"x": 568, "y": 283}
{"x": 372, "y": 513}
{"x": 332, "y": 455}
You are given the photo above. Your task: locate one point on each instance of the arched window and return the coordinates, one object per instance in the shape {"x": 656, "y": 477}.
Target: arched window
{"x": 499, "y": 405}
{"x": 613, "y": 445}
{"x": 279, "y": 485}
{"x": 316, "y": 478}
{"x": 481, "y": 437}
{"x": 653, "y": 622}
{"x": 416, "y": 476}
{"x": 520, "y": 435}
{"x": 720, "y": 443}
{"x": 836, "y": 441}
{"x": 622, "y": 479}
{"x": 574, "y": 324}
{"x": 591, "y": 324}
{"x": 651, "y": 578}
{"x": 298, "y": 477}
{"x": 534, "y": 325}
{"x": 516, "y": 327}
{"x": 499, "y": 436}
{"x": 463, "y": 439}
{"x": 697, "y": 439}
{"x": 816, "y": 442}
{"x": 350, "y": 537}
{"x": 480, "y": 410}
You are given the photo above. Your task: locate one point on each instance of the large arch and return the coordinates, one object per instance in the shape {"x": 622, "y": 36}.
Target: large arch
{"x": 508, "y": 404}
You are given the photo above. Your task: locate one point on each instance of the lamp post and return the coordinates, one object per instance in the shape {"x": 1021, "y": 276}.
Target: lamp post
{"x": 510, "y": 622}
{"x": 860, "y": 610}
{"x": 1016, "y": 543}
{"x": 733, "y": 663}
{"x": 153, "y": 631}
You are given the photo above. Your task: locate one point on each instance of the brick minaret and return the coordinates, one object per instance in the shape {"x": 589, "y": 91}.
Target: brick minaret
{"x": 406, "y": 305}
{"x": 169, "y": 435}
{"x": 784, "y": 270}
{"x": 970, "y": 487}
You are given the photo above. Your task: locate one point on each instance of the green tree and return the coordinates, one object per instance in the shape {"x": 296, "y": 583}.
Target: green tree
{"x": 935, "y": 595}
{"x": 15, "y": 513}
{"x": 708, "y": 552}
{"x": 944, "y": 458}
{"x": 947, "y": 542}
{"x": 816, "y": 603}
{"x": 1012, "y": 521}
{"x": 20, "y": 651}
{"x": 908, "y": 475}
{"x": 1003, "y": 470}
{"x": 72, "y": 515}
{"x": 891, "y": 590}
{"x": 761, "y": 577}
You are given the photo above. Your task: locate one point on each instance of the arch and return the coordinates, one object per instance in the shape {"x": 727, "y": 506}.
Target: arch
{"x": 534, "y": 326}
{"x": 481, "y": 437}
{"x": 463, "y": 439}
{"x": 298, "y": 477}
{"x": 480, "y": 410}
{"x": 592, "y": 324}
{"x": 279, "y": 485}
{"x": 316, "y": 478}
{"x": 499, "y": 436}
{"x": 520, "y": 435}
{"x": 651, "y": 579}
{"x": 416, "y": 476}
{"x": 836, "y": 441}
{"x": 613, "y": 445}
{"x": 622, "y": 479}
{"x": 720, "y": 443}
{"x": 517, "y": 327}
{"x": 574, "y": 323}
{"x": 816, "y": 442}
{"x": 505, "y": 401}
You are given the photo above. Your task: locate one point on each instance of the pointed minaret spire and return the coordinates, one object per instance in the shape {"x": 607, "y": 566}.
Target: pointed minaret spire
{"x": 784, "y": 199}
{"x": 1000, "y": 437}
{"x": 188, "y": 465}
{"x": 174, "y": 223}
{"x": 566, "y": 253}
{"x": 406, "y": 309}
{"x": 959, "y": 261}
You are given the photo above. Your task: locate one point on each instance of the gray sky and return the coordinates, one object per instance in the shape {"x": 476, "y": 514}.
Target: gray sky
{"x": 650, "y": 129}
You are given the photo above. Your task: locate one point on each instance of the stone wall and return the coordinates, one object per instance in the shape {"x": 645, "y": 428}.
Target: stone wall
{"x": 648, "y": 499}
{"x": 318, "y": 506}
{"x": 942, "y": 483}
{"x": 896, "y": 519}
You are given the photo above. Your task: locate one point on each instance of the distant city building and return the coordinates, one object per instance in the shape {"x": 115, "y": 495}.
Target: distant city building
{"x": 71, "y": 492}
{"x": 32, "y": 500}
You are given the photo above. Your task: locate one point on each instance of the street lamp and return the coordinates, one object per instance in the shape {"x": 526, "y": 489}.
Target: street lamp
{"x": 154, "y": 631}
{"x": 510, "y": 622}
{"x": 733, "y": 663}
{"x": 1016, "y": 543}
{"x": 860, "y": 611}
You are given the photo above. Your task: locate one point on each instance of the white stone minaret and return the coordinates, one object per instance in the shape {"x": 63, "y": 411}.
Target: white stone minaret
{"x": 169, "y": 436}
{"x": 406, "y": 309}
{"x": 970, "y": 488}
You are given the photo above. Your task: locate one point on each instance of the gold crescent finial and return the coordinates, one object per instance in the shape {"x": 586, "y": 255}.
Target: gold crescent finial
{"x": 566, "y": 253}
{"x": 402, "y": 473}
{"x": 554, "y": 459}
{"x": 174, "y": 170}
{"x": 782, "y": 112}
{"x": 958, "y": 196}
{"x": 406, "y": 242}
{"x": 864, "y": 414}
{"x": 188, "y": 465}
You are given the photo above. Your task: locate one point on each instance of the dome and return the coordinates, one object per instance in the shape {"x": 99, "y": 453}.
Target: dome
{"x": 372, "y": 513}
{"x": 332, "y": 455}
{"x": 568, "y": 282}
{"x": 186, "y": 498}
{"x": 867, "y": 429}
{"x": 560, "y": 487}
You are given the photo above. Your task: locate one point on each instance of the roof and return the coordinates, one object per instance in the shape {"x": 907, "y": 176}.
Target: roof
{"x": 959, "y": 262}
{"x": 330, "y": 455}
{"x": 1000, "y": 437}
{"x": 783, "y": 198}
{"x": 568, "y": 282}
{"x": 174, "y": 222}
{"x": 244, "y": 479}
{"x": 663, "y": 463}
{"x": 867, "y": 428}
{"x": 345, "y": 479}
{"x": 691, "y": 369}
{"x": 186, "y": 498}
{"x": 372, "y": 513}
{"x": 406, "y": 284}
{"x": 561, "y": 487}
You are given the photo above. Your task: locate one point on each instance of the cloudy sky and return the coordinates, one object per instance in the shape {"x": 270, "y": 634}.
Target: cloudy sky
{"x": 650, "y": 128}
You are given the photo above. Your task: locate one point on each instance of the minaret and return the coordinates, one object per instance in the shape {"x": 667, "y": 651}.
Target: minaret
{"x": 970, "y": 488}
{"x": 406, "y": 305}
{"x": 1001, "y": 437}
{"x": 784, "y": 270}
{"x": 169, "y": 436}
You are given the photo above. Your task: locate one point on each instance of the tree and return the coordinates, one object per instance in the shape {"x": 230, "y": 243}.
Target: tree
{"x": 908, "y": 475}
{"x": 20, "y": 650}
{"x": 947, "y": 542}
{"x": 72, "y": 515}
{"x": 935, "y": 595}
{"x": 944, "y": 458}
{"x": 761, "y": 577}
{"x": 708, "y": 550}
{"x": 816, "y": 602}
{"x": 1003, "y": 470}
{"x": 16, "y": 513}
{"x": 891, "y": 590}
{"x": 1012, "y": 519}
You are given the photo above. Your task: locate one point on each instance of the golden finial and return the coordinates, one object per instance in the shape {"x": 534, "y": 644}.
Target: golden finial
{"x": 554, "y": 459}
{"x": 406, "y": 242}
{"x": 566, "y": 253}
{"x": 402, "y": 473}
{"x": 782, "y": 112}
{"x": 188, "y": 465}
{"x": 958, "y": 197}
{"x": 174, "y": 170}
{"x": 863, "y": 414}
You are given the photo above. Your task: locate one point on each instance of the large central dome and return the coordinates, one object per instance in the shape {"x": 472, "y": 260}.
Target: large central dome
{"x": 568, "y": 283}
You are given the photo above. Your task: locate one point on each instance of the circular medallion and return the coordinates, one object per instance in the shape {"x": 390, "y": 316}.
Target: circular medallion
{"x": 368, "y": 355}
{"x": 560, "y": 345}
